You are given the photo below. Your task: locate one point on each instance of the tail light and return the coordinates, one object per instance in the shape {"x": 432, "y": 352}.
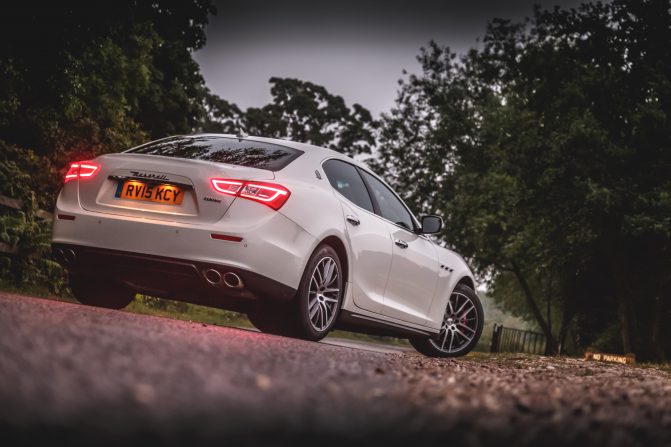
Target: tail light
{"x": 81, "y": 170}
{"x": 269, "y": 194}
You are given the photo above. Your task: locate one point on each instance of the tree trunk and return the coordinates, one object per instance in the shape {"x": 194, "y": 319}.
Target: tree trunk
{"x": 624, "y": 310}
{"x": 567, "y": 317}
{"x": 662, "y": 303}
{"x": 551, "y": 343}
{"x": 656, "y": 330}
{"x": 548, "y": 299}
{"x": 624, "y": 315}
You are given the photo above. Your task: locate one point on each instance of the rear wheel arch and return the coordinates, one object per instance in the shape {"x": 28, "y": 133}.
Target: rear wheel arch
{"x": 337, "y": 244}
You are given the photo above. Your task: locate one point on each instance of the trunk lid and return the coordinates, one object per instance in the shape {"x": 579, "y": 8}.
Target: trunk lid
{"x": 162, "y": 188}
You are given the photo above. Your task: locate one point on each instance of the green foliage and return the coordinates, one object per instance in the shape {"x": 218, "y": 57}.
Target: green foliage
{"x": 221, "y": 116}
{"x": 144, "y": 304}
{"x": 305, "y": 112}
{"x": 548, "y": 152}
{"x": 300, "y": 111}
{"x": 90, "y": 80}
{"x": 25, "y": 237}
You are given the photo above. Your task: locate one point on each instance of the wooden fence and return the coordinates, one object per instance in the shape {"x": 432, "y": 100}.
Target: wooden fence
{"x": 506, "y": 339}
{"x": 16, "y": 204}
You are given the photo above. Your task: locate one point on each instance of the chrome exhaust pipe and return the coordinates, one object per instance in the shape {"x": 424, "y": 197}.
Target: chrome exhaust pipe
{"x": 69, "y": 257}
{"x": 233, "y": 281}
{"x": 58, "y": 255}
{"x": 212, "y": 276}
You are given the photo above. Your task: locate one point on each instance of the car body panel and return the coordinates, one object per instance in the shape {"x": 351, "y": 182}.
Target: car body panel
{"x": 371, "y": 253}
{"x": 454, "y": 271}
{"x": 98, "y": 193}
{"x": 271, "y": 243}
{"x": 413, "y": 277}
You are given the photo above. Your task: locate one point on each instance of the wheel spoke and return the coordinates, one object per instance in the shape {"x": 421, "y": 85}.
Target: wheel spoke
{"x": 444, "y": 339}
{"x": 327, "y": 273}
{"x": 313, "y": 309}
{"x": 466, "y": 327}
{"x": 318, "y": 280}
{"x": 462, "y": 306}
{"x": 334, "y": 278}
{"x": 451, "y": 341}
{"x": 463, "y": 315}
{"x": 462, "y": 334}
{"x": 320, "y": 318}
{"x": 449, "y": 305}
{"x": 324, "y": 314}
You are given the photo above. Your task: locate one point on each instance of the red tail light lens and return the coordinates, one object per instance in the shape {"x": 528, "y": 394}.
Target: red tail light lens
{"x": 81, "y": 169}
{"x": 230, "y": 187}
{"x": 269, "y": 194}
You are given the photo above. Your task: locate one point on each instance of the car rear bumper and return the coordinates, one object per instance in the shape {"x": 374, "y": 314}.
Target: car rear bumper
{"x": 263, "y": 241}
{"x": 180, "y": 279}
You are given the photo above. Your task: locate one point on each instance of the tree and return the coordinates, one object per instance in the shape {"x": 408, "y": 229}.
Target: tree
{"x": 548, "y": 152}
{"x": 306, "y": 112}
{"x": 220, "y": 116}
{"x": 90, "y": 79}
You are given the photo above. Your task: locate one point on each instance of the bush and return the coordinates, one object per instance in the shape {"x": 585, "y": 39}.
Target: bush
{"x": 25, "y": 237}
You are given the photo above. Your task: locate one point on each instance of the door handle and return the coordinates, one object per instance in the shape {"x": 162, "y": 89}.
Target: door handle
{"x": 400, "y": 243}
{"x": 353, "y": 220}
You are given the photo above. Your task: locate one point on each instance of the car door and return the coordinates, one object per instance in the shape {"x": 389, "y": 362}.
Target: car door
{"x": 368, "y": 236}
{"x": 413, "y": 276}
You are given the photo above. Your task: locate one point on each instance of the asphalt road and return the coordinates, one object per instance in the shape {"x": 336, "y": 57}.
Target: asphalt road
{"x": 74, "y": 375}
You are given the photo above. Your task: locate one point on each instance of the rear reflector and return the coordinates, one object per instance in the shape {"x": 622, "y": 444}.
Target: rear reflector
{"x": 269, "y": 194}
{"x": 225, "y": 237}
{"x": 66, "y": 217}
{"x": 81, "y": 170}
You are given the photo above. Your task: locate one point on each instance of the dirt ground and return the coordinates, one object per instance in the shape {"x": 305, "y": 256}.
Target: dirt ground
{"x": 74, "y": 375}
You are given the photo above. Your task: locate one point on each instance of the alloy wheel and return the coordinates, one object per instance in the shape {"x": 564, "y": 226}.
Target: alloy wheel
{"x": 324, "y": 294}
{"x": 460, "y": 324}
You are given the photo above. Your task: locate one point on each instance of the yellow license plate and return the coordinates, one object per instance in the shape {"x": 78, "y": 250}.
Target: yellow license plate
{"x": 137, "y": 190}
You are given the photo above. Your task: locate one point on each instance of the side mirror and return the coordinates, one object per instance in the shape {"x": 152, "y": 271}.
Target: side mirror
{"x": 431, "y": 224}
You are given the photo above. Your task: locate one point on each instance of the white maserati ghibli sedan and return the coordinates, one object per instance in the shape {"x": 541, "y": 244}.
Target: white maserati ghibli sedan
{"x": 300, "y": 238}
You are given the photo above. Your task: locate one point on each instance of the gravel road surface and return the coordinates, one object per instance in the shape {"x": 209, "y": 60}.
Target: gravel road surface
{"x": 75, "y": 375}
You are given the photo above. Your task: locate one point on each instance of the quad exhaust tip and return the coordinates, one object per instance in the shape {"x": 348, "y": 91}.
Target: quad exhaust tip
{"x": 69, "y": 256}
{"x": 229, "y": 279}
{"x": 66, "y": 256}
{"x": 233, "y": 281}
{"x": 212, "y": 276}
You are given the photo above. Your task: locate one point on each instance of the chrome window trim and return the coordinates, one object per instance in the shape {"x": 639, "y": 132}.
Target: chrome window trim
{"x": 373, "y": 213}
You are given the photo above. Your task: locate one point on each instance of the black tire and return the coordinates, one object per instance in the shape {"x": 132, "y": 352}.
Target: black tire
{"x": 274, "y": 320}
{"x": 295, "y": 319}
{"x": 429, "y": 346}
{"x": 100, "y": 292}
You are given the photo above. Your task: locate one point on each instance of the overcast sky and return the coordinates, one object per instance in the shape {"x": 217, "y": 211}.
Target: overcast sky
{"x": 356, "y": 49}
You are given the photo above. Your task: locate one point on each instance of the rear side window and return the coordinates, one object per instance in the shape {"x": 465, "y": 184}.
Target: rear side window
{"x": 252, "y": 154}
{"x": 391, "y": 208}
{"x": 347, "y": 181}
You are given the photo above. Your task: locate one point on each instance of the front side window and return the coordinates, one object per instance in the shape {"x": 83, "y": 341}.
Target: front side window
{"x": 391, "y": 208}
{"x": 251, "y": 154}
{"x": 347, "y": 181}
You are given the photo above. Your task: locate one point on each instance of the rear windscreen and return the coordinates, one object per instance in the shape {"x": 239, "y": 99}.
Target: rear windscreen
{"x": 222, "y": 150}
